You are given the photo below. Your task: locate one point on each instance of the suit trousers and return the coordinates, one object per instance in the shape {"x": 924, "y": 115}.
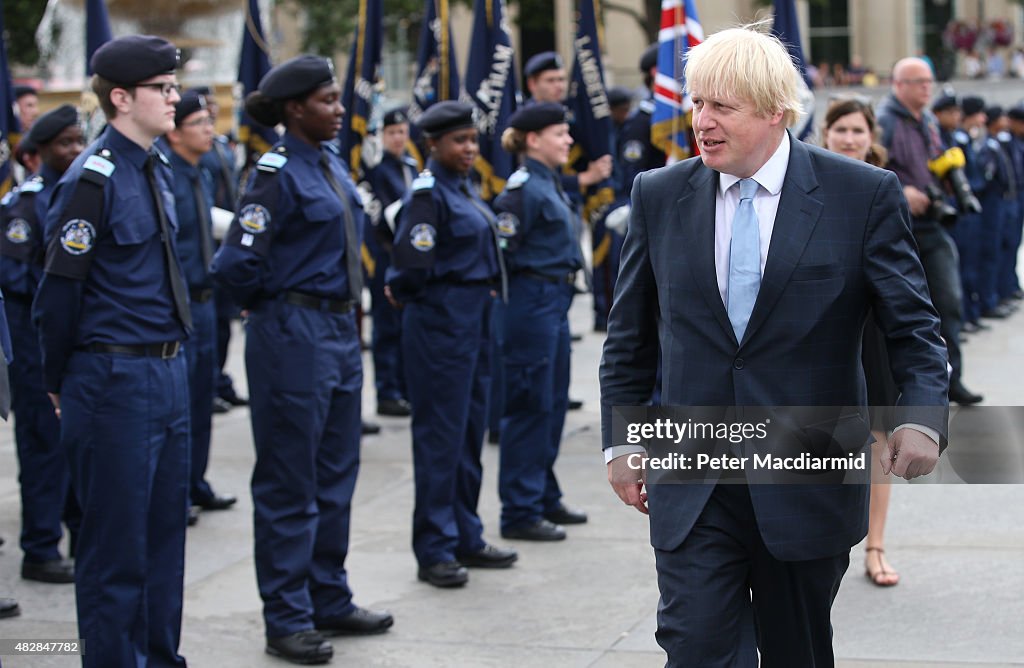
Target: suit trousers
{"x": 723, "y": 595}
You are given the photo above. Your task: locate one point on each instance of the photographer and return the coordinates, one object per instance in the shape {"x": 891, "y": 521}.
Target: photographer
{"x": 910, "y": 133}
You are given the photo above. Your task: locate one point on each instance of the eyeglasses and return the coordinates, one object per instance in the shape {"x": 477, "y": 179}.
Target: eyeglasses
{"x": 208, "y": 120}
{"x": 165, "y": 88}
{"x": 917, "y": 82}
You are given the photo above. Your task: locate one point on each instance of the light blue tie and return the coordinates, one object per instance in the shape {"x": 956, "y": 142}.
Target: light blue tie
{"x": 744, "y": 260}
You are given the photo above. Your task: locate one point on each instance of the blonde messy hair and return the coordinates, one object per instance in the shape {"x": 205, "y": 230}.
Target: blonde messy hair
{"x": 749, "y": 64}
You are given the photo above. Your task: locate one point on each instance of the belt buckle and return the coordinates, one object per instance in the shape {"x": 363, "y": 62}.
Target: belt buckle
{"x": 169, "y": 350}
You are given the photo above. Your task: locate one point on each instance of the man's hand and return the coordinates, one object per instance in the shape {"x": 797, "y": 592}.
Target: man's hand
{"x": 391, "y": 298}
{"x": 910, "y": 454}
{"x": 917, "y": 200}
{"x": 597, "y": 171}
{"x": 55, "y": 400}
{"x": 628, "y": 482}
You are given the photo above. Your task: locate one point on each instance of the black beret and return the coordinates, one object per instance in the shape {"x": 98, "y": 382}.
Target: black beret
{"x": 134, "y": 58}
{"x": 619, "y": 95}
{"x": 534, "y": 117}
{"x": 548, "y": 60}
{"x": 26, "y": 145}
{"x": 51, "y": 124}
{"x": 191, "y": 101}
{"x": 972, "y": 104}
{"x": 296, "y": 77}
{"x": 21, "y": 91}
{"x": 945, "y": 102}
{"x": 1016, "y": 112}
{"x": 395, "y": 116}
{"x": 649, "y": 58}
{"x": 994, "y": 113}
{"x": 202, "y": 90}
{"x": 444, "y": 117}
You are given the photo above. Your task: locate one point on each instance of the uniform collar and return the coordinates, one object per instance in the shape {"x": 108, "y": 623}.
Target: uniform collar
{"x": 300, "y": 149}
{"x": 445, "y": 174}
{"x": 540, "y": 169}
{"x": 126, "y": 149}
{"x": 180, "y": 164}
{"x": 48, "y": 174}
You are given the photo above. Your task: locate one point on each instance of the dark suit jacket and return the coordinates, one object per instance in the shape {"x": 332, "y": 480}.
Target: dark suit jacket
{"x": 841, "y": 245}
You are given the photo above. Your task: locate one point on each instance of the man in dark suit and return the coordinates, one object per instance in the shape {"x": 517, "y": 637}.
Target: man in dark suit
{"x": 751, "y": 269}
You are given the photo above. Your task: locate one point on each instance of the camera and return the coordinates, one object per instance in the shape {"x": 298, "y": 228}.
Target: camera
{"x": 939, "y": 209}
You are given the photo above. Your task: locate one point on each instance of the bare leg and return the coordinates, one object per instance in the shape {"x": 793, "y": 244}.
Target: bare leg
{"x": 876, "y": 566}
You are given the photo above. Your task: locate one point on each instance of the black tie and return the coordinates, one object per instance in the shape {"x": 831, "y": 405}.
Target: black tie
{"x": 353, "y": 265}
{"x": 205, "y": 238}
{"x": 173, "y": 270}
{"x": 493, "y": 224}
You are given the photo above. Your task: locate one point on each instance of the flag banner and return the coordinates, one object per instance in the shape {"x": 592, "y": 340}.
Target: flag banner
{"x": 10, "y": 127}
{"x": 673, "y": 110}
{"x": 360, "y": 93}
{"x": 786, "y": 27}
{"x": 491, "y": 85}
{"x": 437, "y": 77}
{"x": 589, "y": 109}
{"x": 252, "y": 65}
{"x": 97, "y": 30}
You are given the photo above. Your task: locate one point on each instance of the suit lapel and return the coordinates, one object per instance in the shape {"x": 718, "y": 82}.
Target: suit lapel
{"x": 696, "y": 211}
{"x": 798, "y": 213}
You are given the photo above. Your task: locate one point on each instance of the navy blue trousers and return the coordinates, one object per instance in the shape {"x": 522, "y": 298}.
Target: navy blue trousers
{"x": 43, "y": 472}
{"x": 1013, "y": 226}
{"x": 536, "y": 397}
{"x": 496, "y": 398}
{"x": 124, "y": 423}
{"x": 305, "y": 379}
{"x": 387, "y": 335}
{"x": 201, "y": 352}
{"x": 968, "y": 237}
{"x": 989, "y": 253}
{"x": 723, "y": 594}
{"x": 446, "y": 349}
{"x": 607, "y": 251}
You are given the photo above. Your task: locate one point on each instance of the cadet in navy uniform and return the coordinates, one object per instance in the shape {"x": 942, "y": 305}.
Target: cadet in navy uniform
{"x": 193, "y": 195}
{"x": 536, "y": 222}
{"x": 46, "y": 496}
{"x": 447, "y": 269}
{"x": 1013, "y": 231}
{"x": 291, "y": 257}
{"x": 390, "y": 180}
{"x": 8, "y": 606}
{"x": 112, "y": 312}
{"x": 999, "y": 210}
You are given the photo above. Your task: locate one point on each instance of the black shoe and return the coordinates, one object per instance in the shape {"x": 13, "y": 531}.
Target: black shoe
{"x": 491, "y": 556}
{"x": 575, "y": 338}
{"x": 494, "y": 437}
{"x": 360, "y": 622}
{"x": 446, "y": 574}
{"x": 193, "y": 515}
{"x": 1016, "y": 295}
{"x": 220, "y": 406}
{"x": 998, "y": 313}
{"x": 394, "y": 408}
{"x": 970, "y": 328}
{"x": 218, "y": 502}
{"x": 575, "y": 404}
{"x": 963, "y": 396}
{"x": 56, "y": 571}
{"x": 565, "y": 515}
{"x": 541, "y": 530}
{"x": 600, "y": 327}
{"x": 370, "y": 428}
{"x": 1, "y": 541}
{"x": 235, "y": 400}
{"x": 9, "y": 608}
{"x": 305, "y": 647}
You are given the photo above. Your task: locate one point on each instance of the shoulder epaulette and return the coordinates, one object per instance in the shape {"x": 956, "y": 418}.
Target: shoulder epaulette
{"x": 1004, "y": 137}
{"x": 518, "y": 178}
{"x": 101, "y": 162}
{"x": 423, "y": 182}
{"x": 273, "y": 160}
{"x": 961, "y": 137}
{"x": 647, "y": 106}
{"x": 33, "y": 185}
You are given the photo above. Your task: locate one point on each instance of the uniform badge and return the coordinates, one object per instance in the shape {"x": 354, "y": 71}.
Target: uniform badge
{"x": 19, "y": 231}
{"x": 633, "y": 150}
{"x": 507, "y": 224}
{"x": 254, "y": 218}
{"x": 423, "y": 237}
{"x": 77, "y": 236}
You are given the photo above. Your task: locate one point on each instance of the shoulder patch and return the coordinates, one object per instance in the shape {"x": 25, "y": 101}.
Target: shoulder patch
{"x": 507, "y": 224}
{"x": 18, "y": 231}
{"x": 254, "y": 218}
{"x": 99, "y": 164}
{"x": 518, "y": 178}
{"x": 423, "y": 237}
{"x": 271, "y": 162}
{"x": 425, "y": 181}
{"x": 633, "y": 150}
{"x": 77, "y": 236}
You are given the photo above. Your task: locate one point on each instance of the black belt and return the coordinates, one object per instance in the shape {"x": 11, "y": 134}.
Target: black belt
{"x": 491, "y": 282}
{"x": 318, "y": 303}
{"x": 568, "y": 278}
{"x": 165, "y": 351}
{"x": 18, "y": 298}
{"x": 200, "y": 295}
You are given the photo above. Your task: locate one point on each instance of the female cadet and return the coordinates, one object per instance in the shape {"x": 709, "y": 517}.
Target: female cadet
{"x": 292, "y": 258}
{"x": 535, "y": 222}
{"x": 446, "y": 269}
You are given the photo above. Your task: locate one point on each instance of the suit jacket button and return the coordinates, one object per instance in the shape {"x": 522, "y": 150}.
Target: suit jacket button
{"x": 737, "y": 363}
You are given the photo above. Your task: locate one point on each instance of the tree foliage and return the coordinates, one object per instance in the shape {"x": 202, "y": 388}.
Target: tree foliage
{"x": 21, "y": 18}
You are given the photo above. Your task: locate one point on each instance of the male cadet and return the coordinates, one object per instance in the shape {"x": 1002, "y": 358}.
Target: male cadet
{"x": 1000, "y": 144}
{"x": 26, "y": 100}
{"x": 46, "y": 496}
{"x": 112, "y": 311}
{"x": 947, "y": 113}
{"x": 219, "y": 161}
{"x": 390, "y": 180}
{"x": 8, "y": 606}
{"x": 1009, "y": 283}
{"x": 190, "y": 140}
{"x": 26, "y": 107}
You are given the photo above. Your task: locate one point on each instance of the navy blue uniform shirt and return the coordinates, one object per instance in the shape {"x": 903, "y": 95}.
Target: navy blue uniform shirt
{"x": 219, "y": 161}
{"x": 536, "y": 223}
{"x": 108, "y": 280}
{"x": 190, "y": 248}
{"x": 444, "y": 233}
{"x": 289, "y": 231}
{"x": 23, "y": 218}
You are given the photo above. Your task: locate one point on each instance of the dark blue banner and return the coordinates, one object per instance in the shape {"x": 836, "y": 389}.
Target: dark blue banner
{"x": 10, "y": 128}
{"x": 437, "y": 76}
{"x": 252, "y": 65}
{"x": 97, "y": 29}
{"x": 786, "y": 27}
{"x": 358, "y": 94}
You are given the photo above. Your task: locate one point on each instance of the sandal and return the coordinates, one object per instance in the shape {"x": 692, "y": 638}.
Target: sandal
{"x": 880, "y": 577}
